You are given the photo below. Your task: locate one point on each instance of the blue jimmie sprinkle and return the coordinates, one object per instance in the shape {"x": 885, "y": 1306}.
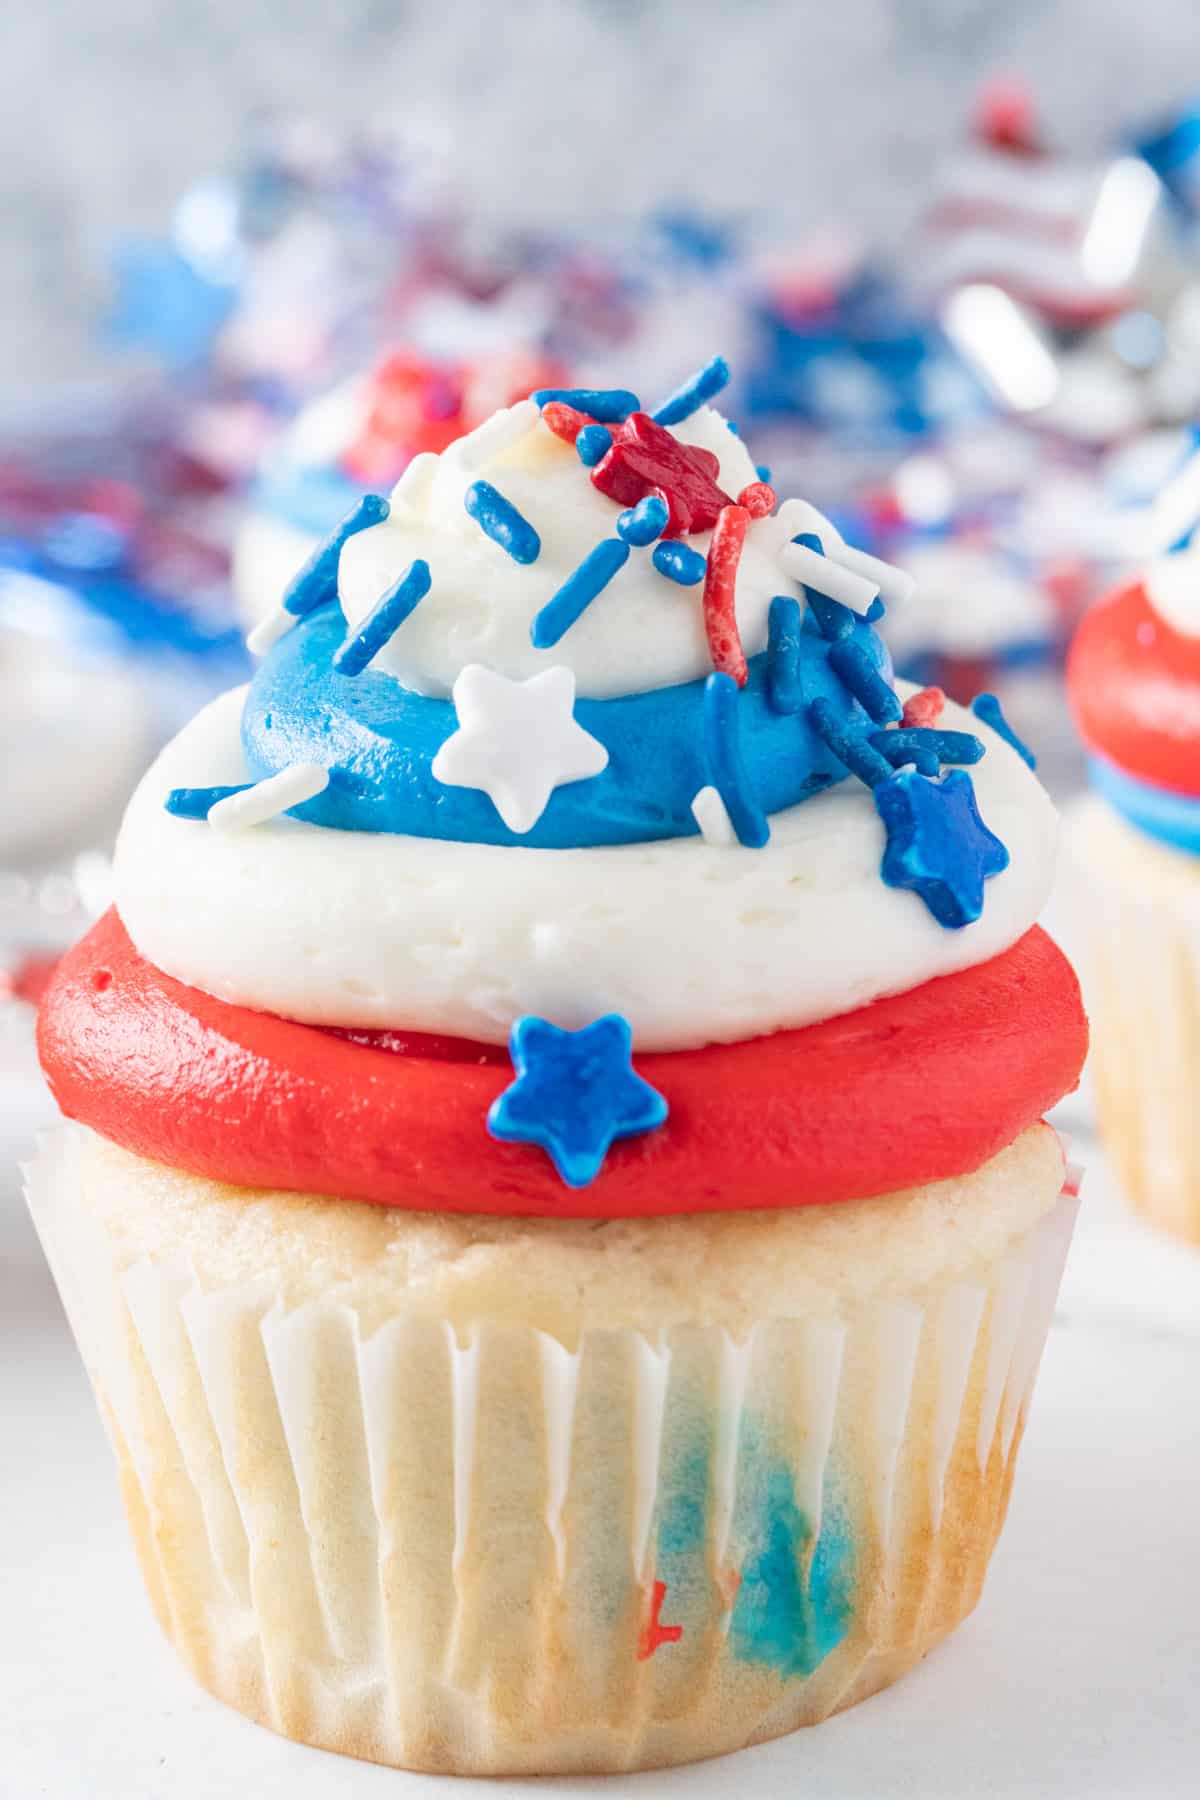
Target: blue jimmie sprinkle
{"x": 987, "y": 708}
{"x": 198, "y": 802}
{"x": 639, "y": 525}
{"x": 577, "y": 592}
{"x": 593, "y": 443}
{"x": 849, "y": 746}
{"x": 926, "y": 748}
{"x": 726, "y": 769}
{"x": 853, "y": 666}
{"x": 575, "y": 1093}
{"x": 501, "y": 521}
{"x": 317, "y": 581}
{"x": 763, "y": 471}
{"x": 937, "y": 844}
{"x": 384, "y": 620}
{"x": 612, "y": 405}
{"x": 679, "y": 562}
{"x": 784, "y": 621}
{"x": 695, "y": 391}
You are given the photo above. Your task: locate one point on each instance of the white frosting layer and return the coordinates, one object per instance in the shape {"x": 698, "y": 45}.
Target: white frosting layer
{"x": 693, "y": 942}
{"x": 643, "y": 631}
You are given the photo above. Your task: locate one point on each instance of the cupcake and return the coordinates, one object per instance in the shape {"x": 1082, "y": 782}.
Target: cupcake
{"x": 557, "y": 1208}
{"x": 357, "y": 439}
{"x": 1134, "y": 865}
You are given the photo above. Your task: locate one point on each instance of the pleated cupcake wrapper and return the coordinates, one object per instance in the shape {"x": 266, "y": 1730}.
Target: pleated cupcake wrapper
{"x": 491, "y": 1552}
{"x": 1140, "y": 958}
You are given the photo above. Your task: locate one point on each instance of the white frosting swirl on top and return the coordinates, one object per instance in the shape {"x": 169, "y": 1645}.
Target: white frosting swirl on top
{"x": 643, "y": 631}
{"x": 693, "y": 942}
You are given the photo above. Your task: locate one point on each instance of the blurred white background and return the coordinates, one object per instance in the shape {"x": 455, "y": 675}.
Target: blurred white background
{"x": 551, "y": 107}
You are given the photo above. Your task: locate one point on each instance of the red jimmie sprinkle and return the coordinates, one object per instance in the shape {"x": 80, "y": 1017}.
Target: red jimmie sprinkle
{"x": 925, "y": 708}
{"x": 720, "y": 593}
{"x": 758, "y": 498}
{"x": 564, "y": 421}
{"x": 654, "y": 1632}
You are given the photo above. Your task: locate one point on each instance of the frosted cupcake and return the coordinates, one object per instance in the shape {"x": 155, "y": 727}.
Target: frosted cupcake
{"x": 1134, "y": 858}
{"x": 358, "y": 439}
{"x": 559, "y": 1216}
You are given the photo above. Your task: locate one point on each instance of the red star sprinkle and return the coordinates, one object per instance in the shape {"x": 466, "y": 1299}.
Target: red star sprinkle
{"x": 645, "y": 458}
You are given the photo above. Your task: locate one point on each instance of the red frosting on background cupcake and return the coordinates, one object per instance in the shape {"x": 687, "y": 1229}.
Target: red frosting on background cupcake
{"x": 1134, "y": 687}
{"x": 917, "y": 1088}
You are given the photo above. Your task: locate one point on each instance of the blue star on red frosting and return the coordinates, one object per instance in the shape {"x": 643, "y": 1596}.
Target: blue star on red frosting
{"x": 937, "y": 844}
{"x": 576, "y": 1092}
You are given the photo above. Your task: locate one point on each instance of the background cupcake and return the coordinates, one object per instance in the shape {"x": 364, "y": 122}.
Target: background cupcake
{"x": 1134, "y": 682}
{"x": 652, "y": 1385}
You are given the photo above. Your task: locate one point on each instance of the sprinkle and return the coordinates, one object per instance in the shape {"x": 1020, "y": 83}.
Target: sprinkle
{"x": 987, "y": 707}
{"x": 784, "y": 621}
{"x": 694, "y": 392}
{"x": 499, "y": 519}
{"x": 495, "y": 435}
{"x": 924, "y": 708}
{"x": 720, "y": 593}
{"x": 269, "y": 630}
{"x": 564, "y": 421}
{"x": 758, "y": 498}
{"x": 577, "y": 592}
{"x": 267, "y": 799}
{"x": 937, "y": 844}
{"x": 592, "y": 442}
{"x": 818, "y": 571}
{"x": 679, "y": 562}
{"x": 833, "y": 619}
{"x": 849, "y": 746}
{"x": 928, "y": 749}
{"x": 725, "y": 762}
{"x": 654, "y": 1632}
{"x": 763, "y": 471}
{"x": 384, "y": 620}
{"x": 612, "y": 405}
{"x": 716, "y": 826}
{"x": 575, "y": 1093}
{"x": 317, "y": 581}
{"x": 647, "y": 459}
{"x": 853, "y": 666}
{"x": 198, "y": 802}
{"x": 896, "y": 587}
{"x": 641, "y": 524}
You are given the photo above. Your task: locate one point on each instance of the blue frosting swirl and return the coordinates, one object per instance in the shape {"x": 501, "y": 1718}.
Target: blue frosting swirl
{"x": 1160, "y": 812}
{"x": 379, "y": 740}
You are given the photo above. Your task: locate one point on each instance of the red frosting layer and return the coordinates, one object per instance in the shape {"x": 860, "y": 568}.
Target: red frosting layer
{"x": 912, "y": 1089}
{"x": 1134, "y": 686}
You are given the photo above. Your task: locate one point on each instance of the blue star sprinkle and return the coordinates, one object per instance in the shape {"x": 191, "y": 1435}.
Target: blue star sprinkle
{"x": 937, "y": 844}
{"x": 987, "y": 708}
{"x": 575, "y": 1093}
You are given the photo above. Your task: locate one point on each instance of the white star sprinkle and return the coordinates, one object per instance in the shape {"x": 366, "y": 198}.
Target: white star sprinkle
{"x": 517, "y": 741}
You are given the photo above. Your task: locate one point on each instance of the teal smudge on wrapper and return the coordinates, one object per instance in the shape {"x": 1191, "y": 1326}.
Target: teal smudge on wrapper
{"x": 683, "y": 1520}
{"x": 796, "y": 1599}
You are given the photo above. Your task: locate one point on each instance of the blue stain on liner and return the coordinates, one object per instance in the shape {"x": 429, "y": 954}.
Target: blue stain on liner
{"x": 1161, "y": 813}
{"x": 987, "y": 707}
{"x": 726, "y": 764}
{"x": 641, "y": 524}
{"x": 316, "y": 584}
{"x": 784, "y": 624}
{"x": 611, "y": 406}
{"x": 384, "y": 620}
{"x": 577, "y": 592}
{"x": 593, "y": 445}
{"x": 679, "y": 562}
{"x": 851, "y": 663}
{"x": 796, "y": 1601}
{"x": 379, "y": 739}
{"x": 198, "y": 802}
{"x": 693, "y": 393}
{"x": 499, "y": 519}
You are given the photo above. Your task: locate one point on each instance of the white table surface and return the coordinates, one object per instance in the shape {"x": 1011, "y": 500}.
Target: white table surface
{"x": 1077, "y": 1678}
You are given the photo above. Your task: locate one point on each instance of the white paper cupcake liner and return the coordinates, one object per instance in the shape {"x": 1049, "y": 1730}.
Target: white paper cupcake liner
{"x": 498, "y": 1554}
